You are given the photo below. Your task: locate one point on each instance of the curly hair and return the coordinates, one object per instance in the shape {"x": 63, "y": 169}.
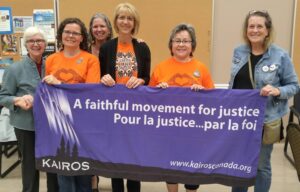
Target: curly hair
{"x": 84, "y": 44}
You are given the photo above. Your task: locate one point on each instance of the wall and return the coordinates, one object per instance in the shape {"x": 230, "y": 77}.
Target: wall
{"x": 25, "y": 8}
{"x": 227, "y": 29}
{"x": 296, "y": 51}
{"x": 157, "y": 19}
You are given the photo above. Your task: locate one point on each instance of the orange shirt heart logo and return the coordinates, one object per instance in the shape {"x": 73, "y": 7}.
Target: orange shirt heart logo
{"x": 182, "y": 80}
{"x": 68, "y": 76}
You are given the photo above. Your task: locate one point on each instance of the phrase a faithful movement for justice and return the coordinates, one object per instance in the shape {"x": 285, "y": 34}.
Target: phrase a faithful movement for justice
{"x": 201, "y": 109}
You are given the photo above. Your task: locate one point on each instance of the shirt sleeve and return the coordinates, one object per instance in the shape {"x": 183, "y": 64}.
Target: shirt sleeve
{"x": 8, "y": 89}
{"x": 93, "y": 73}
{"x": 207, "y": 81}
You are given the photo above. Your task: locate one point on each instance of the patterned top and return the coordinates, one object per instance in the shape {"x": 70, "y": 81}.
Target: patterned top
{"x": 126, "y": 64}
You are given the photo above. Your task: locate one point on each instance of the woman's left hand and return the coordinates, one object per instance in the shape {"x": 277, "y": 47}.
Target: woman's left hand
{"x": 134, "y": 82}
{"x": 196, "y": 87}
{"x": 50, "y": 79}
{"x": 269, "y": 90}
{"x": 25, "y": 102}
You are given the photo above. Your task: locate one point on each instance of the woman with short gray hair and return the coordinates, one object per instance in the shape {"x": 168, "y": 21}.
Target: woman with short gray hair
{"x": 182, "y": 70}
{"x": 18, "y": 87}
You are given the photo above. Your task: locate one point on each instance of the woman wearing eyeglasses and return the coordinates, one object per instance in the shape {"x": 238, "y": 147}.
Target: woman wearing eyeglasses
{"x": 182, "y": 70}
{"x": 126, "y": 61}
{"x": 259, "y": 64}
{"x": 72, "y": 64}
{"x": 18, "y": 87}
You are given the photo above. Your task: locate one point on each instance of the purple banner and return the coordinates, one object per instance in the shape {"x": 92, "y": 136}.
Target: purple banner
{"x": 149, "y": 134}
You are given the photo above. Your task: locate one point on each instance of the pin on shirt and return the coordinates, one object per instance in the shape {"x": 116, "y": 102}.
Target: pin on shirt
{"x": 78, "y": 61}
{"x": 196, "y": 73}
{"x": 270, "y": 68}
{"x": 273, "y": 67}
{"x": 265, "y": 68}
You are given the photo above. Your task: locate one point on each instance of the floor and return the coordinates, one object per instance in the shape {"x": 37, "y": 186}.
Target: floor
{"x": 284, "y": 178}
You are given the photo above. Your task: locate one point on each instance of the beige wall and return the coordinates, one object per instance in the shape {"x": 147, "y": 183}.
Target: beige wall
{"x": 296, "y": 51}
{"x": 227, "y": 29}
{"x": 158, "y": 17}
{"x": 24, "y": 8}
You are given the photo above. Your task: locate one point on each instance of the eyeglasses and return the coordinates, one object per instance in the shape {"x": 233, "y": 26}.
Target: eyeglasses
{"x": 179, "y": 41}
{"x": 37, "y": 41}
{"x": 252, "y": 12}
{"x": 73, "y": 33}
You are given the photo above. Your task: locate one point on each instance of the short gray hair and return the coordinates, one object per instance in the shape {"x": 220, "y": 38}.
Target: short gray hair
{"x": 31, "y": 31}
{"x": 183, "y": 27}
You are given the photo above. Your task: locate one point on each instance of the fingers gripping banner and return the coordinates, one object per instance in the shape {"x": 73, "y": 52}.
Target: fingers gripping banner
{"x": 149, "y": 134}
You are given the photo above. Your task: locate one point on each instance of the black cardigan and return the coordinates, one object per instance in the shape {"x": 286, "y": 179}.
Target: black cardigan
{"x": 107, "y": 57}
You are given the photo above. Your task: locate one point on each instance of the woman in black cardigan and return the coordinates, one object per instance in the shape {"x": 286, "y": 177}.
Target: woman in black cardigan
{"x": 126, "y": 61}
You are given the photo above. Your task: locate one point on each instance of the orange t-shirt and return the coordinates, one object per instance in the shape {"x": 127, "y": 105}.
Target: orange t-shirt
{"x": 126, "y": 64}
{"x": 181, "y": 74}
{"x": 83, "y": 68}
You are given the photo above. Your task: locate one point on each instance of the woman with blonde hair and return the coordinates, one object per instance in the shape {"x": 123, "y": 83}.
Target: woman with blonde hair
{"x": 126, "y": 61}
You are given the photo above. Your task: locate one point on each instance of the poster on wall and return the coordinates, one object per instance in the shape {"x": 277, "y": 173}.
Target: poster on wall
{"x": 49, "y": 49}
{"x": 44, "y": 19}
{"x": 5, "y": 20}
{"x": 20, "y": 23}
{"x": 8, "y": 45}
{"x": 23, "y": 50}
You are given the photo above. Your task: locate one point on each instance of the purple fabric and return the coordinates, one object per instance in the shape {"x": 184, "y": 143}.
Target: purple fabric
{"x": 208, "y": 132}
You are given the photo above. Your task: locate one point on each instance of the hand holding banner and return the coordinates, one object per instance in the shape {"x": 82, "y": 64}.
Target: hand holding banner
{"x": 149, "y": 134}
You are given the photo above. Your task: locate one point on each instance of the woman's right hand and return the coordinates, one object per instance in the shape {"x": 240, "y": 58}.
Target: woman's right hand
{"x": 51, "y": 80}
{"x": 163, "y": 85}
{"x": 269, "y": 90}
{"x": 108, "y": 80}
{"x": 25, "y": 102}
{"x": 196, "y": 87}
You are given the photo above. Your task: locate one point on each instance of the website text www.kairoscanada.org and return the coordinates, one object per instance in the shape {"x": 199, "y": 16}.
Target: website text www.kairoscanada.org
{"x": 199, "y": 165}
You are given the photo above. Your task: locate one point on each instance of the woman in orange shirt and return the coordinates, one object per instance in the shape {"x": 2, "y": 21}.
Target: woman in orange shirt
{"x": 72, "y": 64}
{"x": 125, "y": 60}
{"x": 182, "y": 70}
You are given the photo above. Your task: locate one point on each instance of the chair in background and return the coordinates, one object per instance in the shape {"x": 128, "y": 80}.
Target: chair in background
{"x": 8, "y": 143}
{"x": 292, "y": 135}
{"x": 7, "y": 149}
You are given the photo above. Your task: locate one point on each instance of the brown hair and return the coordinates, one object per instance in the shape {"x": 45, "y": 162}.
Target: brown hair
{"x": 268, "y": 24}
{"x": 183, "y": 27}
{"x": 84, "y": 44}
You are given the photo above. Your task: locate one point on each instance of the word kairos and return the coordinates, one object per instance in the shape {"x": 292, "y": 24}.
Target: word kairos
{"x": 65, "y": 166}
